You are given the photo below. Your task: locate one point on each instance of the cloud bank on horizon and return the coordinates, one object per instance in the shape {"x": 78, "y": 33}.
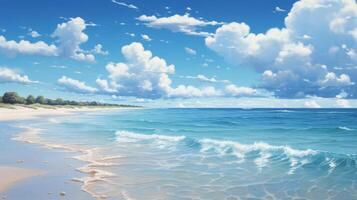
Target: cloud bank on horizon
{"x": 313, "y": 54}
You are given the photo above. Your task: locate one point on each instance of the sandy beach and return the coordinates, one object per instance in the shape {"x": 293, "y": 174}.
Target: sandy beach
{"x": 16, "y": 171}
{"x": 18, "y": 112}
{"x": 12, "y": 175}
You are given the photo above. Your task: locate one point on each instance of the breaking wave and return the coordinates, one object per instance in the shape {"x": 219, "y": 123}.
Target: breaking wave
{"x": 260, "y": 153}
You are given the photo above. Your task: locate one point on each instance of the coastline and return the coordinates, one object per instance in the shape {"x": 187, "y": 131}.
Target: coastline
{"x": 24, "y": 173}
{"x": 18, "y": 112}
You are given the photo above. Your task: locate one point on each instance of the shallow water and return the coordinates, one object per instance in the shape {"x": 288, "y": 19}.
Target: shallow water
{"x": 211, "y": 153}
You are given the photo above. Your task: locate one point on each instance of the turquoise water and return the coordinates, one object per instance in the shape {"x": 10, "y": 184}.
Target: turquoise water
{"x": 212, "y": 153}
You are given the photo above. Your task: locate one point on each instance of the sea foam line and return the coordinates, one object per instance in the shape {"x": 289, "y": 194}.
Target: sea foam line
{"x": 32, "y": 135}
{"x": 265, "y": 151}
{"x": 138, "y": 137}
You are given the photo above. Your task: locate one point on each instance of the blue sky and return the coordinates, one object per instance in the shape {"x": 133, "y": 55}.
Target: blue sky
{"x": 182, "y": 53}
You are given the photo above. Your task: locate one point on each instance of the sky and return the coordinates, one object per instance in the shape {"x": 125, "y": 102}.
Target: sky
{"x": 164, "y": 53}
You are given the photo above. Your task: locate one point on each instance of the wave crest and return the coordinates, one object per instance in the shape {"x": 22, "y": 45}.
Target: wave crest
{"x": 345, "y": 128}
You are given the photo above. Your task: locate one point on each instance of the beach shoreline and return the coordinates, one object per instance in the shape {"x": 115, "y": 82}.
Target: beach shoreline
{"x": 14, "y": 175}
{"x": 18, "y": 112}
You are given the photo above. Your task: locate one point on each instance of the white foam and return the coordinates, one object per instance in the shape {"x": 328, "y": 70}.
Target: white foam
{"x": 159, "y": 141}
{"x": 137, "y": 137}
{"x": 242, "y": 149}
{"x": 265, "y": 151}
{"x": 345, "y": 128}
{"x": 33, "y": 135}
{"x": 263, "y": 160}
{"x": 286, "y": 111}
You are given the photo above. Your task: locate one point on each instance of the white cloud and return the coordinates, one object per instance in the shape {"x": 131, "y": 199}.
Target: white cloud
{"x": 203, "y": 78}
{"x": 190, "y": 51}
{"x": 143, "y": 75}
{"x": 343, "y": 103}
{"x": 278, "y": 9}
{"x": 178, "y": 23}
{"x": 130, "y": 34}
{"x": 8, "y": 75}
{"x": 98, "y": 49}
{"x": 146, "y": 76}
{"x": 145, "y": 37}
{"x": 191, "y": 91}
{"x": 332, "y": 80}
{"x": 59, "y": 66}
{"x": 311, "y": 104}
{"x": 34, "y": 34}
{"x": 236, "y": 91}
{"x": 300, "y": 56}
{"x": 75, "y": 85}
{"x": 69, "y": 37}
{"x": 11, "y": 47}
{"x": 131, "y": 6}
{"x": 104, "y": 85}
{"x": 342, "y": 95}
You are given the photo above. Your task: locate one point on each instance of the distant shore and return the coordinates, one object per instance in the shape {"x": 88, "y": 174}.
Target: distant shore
{"x": 23, "y": 112}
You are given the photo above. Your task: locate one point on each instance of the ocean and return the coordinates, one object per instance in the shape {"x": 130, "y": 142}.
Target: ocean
{"x": 220, "y": 154}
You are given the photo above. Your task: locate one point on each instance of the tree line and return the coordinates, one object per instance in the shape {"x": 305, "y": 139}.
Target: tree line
{"x": 14, "y": 98}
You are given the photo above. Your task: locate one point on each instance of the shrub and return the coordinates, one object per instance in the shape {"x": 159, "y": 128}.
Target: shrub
{"x": 12, "y": 98}
{"x": 30, "y": 100}
{"x": 41, "y": 100}
{"x": 59, "y": 101}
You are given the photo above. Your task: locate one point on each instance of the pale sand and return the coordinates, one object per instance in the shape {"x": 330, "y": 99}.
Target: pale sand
{"x": 23, "y": 113}
{"x": 11, "y": 175}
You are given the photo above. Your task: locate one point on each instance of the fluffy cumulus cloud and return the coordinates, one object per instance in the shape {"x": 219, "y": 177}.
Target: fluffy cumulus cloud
{"x": 11, "y": 47}
{"x": 144, "y": 75}
{"x": 239, "y": 91}
{"x": 33, "y": 33}
{"x": 69, "y": 36}
{"x": 8, "y": 75}
{"x": 301, "y": 58}
{"x": 146, "y": 37}
{"x": 98, "y": 49}
{"x": 178, "y": 23}
{"x": 77, "y": 86}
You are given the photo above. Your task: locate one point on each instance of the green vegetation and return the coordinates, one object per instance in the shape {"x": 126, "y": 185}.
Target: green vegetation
{"x": 14, "y": 98}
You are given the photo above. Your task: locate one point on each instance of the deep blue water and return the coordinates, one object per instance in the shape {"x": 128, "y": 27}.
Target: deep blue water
{"x": 214, "y": 153}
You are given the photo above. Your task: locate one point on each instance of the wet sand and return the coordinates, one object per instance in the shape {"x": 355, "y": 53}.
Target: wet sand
{"x": 11, "y": 175}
